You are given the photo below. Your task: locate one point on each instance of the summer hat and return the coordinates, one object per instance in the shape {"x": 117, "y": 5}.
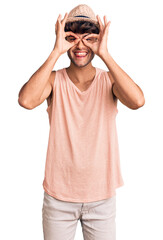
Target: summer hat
{"x": 82, "y": 12}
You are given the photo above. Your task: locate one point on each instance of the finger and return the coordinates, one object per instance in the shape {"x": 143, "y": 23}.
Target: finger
{"x": 58, "y": 16}
{"x": 107, "y": 27}
{"x": 100, "y": 23}
{"x": 58, "y": 24}
{"x": 92, "y": 35}
{"x": 109, "y": 24}
{"x": 105, "y": 20}
{"x": 71, "y": 34}
{"x": 76, "y": 41}
{"x": 59, "y": 19}
{"x": 64, "y": 19}
{"x": 55, "y": 27}
{"x": 106, "y": 23}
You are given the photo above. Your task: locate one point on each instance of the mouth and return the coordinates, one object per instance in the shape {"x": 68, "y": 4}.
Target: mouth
{"x": 80, "y": 54}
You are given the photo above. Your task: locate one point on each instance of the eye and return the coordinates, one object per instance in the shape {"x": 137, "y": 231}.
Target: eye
{"x": 70, "y": 38}
{"x": 91, "y": 39}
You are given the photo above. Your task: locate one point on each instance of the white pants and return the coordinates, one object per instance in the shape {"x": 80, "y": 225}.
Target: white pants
{"x": 60, "y": 218}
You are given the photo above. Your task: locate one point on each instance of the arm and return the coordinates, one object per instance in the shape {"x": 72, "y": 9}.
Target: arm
{"x": 39, "y": 86}
{"x": 124, "y": 88}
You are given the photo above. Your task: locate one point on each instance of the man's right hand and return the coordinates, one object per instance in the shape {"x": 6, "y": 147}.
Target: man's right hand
{"x": 61, "y": 44}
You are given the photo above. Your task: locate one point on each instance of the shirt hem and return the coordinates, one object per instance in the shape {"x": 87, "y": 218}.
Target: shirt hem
{"x": 84, "y": 200}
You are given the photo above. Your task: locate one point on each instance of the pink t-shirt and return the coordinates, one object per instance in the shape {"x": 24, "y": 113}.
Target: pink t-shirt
{"x": 82, "y": 162}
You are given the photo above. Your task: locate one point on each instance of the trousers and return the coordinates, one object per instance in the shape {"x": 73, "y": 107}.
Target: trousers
{"x": 60, "y": 218}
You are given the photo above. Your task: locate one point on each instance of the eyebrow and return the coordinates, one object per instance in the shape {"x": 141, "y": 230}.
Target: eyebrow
{"x": 86, "y": 35}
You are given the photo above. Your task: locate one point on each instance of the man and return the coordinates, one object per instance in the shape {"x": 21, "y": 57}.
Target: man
{"x": 82, "y": 168}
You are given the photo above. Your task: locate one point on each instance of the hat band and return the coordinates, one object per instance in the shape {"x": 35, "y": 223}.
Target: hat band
{"x": 82, "y": 16}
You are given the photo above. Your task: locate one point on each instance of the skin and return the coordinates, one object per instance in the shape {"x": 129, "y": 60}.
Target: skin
{"x": 81, "y": 70}
{"x": 80, "y": 63}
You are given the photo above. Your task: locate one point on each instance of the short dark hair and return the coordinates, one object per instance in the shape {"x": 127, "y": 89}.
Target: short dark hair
{"x": 81, "y": 27}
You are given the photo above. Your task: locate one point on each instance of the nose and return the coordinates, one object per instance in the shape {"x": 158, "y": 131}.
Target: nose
{"x": 80, "y": 43}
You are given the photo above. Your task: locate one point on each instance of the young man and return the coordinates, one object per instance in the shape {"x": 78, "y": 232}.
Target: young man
{"x": 82, "y": 168}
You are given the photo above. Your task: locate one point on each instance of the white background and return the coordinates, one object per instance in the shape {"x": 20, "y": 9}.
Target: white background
{"x": 135, "y": 43}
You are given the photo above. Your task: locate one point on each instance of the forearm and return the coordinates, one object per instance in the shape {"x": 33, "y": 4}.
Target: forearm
{"x": 128, "y": 91}
{"x": 37, "y": 82}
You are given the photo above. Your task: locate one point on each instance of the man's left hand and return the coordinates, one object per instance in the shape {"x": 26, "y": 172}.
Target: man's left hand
{"x": 99, "y": 44}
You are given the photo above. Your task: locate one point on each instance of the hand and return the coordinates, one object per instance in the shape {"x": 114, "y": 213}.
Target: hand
{"x": 99, "y": 47}
{"x": 61, "y": 44}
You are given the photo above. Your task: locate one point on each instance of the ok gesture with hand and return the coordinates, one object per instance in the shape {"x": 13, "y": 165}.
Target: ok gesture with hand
{"x": 61, "y": 44}
{"x": 99, "y": 46}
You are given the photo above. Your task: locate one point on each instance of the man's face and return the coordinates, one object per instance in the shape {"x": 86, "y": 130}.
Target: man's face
{"x": 80, "y": 55}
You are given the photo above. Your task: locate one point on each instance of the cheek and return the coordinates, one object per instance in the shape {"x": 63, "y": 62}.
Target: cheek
{"x": 92, "y": 54}
{"x": 85, "y": 42}
{"x": 68, "y": 53}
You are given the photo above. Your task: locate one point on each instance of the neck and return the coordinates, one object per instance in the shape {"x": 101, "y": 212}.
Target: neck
{"x": 81, "y": 74}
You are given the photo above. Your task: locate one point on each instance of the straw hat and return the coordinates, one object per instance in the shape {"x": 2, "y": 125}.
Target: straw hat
{"x": 82, "y": 12}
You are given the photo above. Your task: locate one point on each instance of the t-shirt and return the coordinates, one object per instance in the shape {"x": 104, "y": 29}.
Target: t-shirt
{"x": 82, "y": 161}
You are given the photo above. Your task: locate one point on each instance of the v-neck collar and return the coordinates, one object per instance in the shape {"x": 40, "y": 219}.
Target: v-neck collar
{"x": 77, "y": 89}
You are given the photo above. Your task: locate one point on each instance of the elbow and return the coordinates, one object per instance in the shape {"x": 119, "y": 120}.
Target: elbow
{"x": 141, "y": 100}
{"x": 23, "y": 103}
{"x": 140, "y": 103}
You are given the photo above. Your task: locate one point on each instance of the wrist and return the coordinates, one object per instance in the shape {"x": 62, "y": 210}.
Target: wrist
{"x": 104, "y": 55}
{"x": 56, "y": 52}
